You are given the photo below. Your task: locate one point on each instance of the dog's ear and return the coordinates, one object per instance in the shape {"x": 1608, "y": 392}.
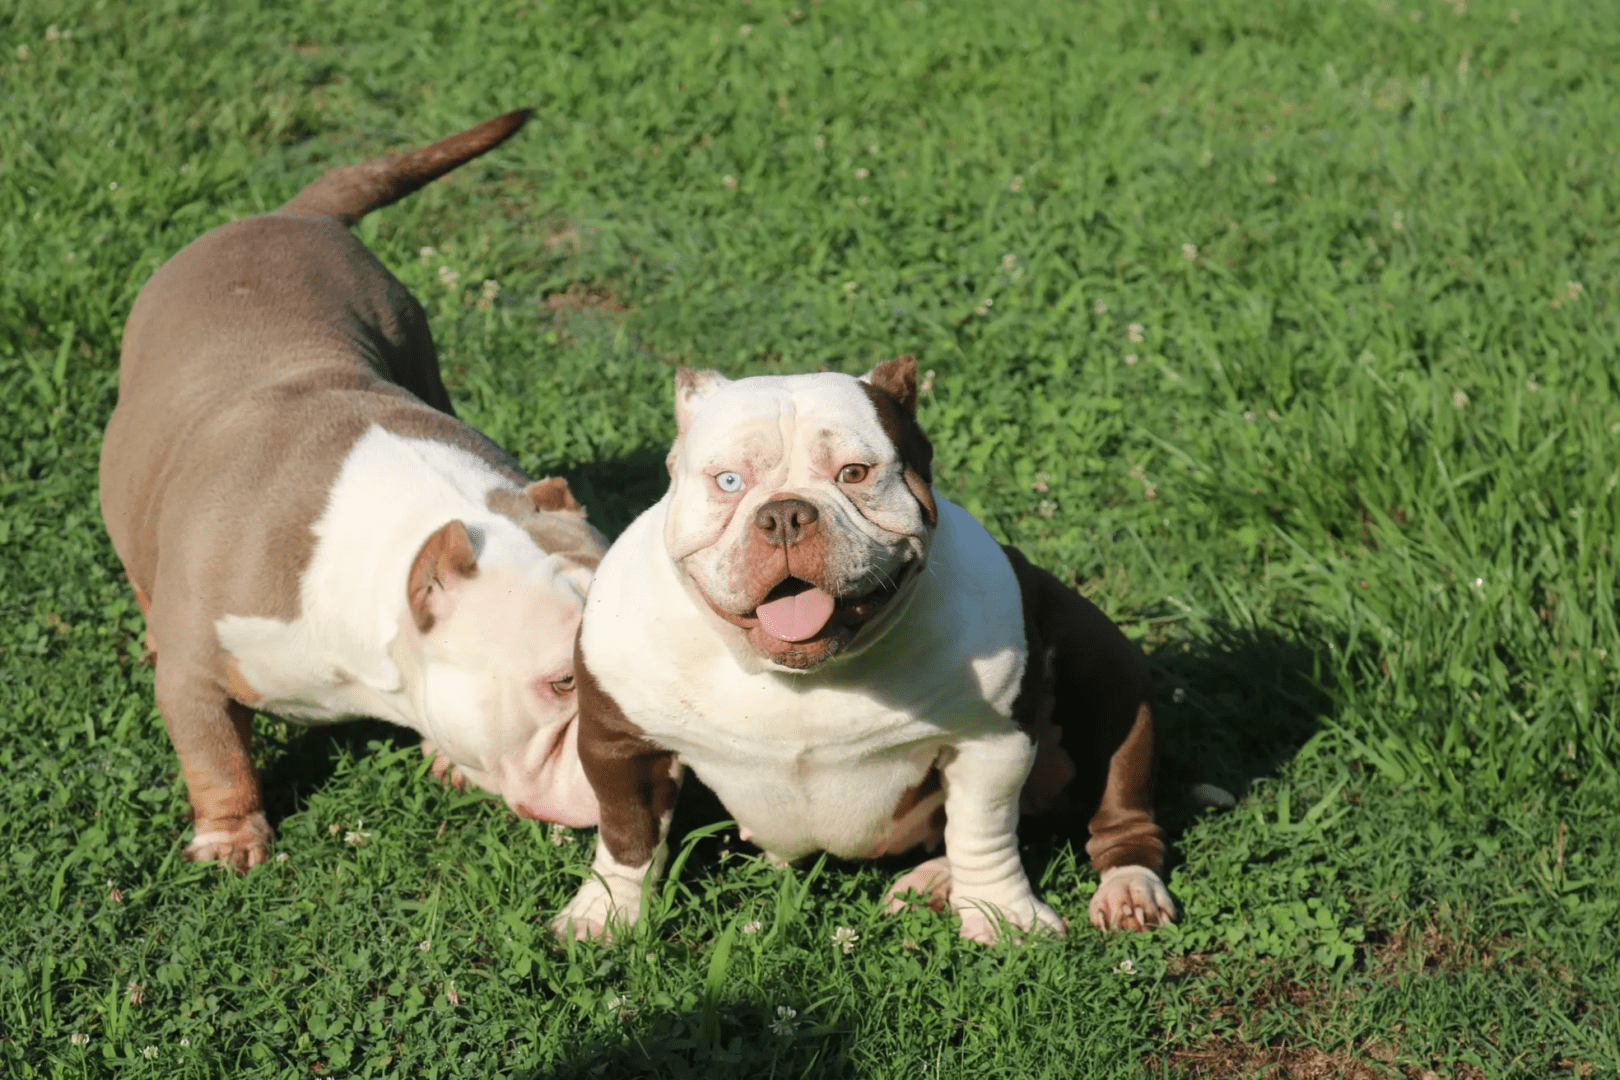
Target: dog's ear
{"x": 691, "y": 387}
{"x": 445, "y": 560}
{"x": 898, "y": 379}
{"x": 552, "y": 494}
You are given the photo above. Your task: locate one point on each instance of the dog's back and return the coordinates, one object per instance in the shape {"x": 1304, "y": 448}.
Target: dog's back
{"x": 253, "y": 358}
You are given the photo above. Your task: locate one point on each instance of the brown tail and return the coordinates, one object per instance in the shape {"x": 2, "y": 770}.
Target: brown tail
{"x": 352, "y": 192}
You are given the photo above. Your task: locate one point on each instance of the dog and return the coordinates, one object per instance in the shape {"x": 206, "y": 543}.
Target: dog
{"x": 853, "y": 665}
{"x": 311, "y": 532}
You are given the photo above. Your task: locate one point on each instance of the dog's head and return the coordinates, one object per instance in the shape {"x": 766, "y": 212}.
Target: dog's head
{"x": 801, "y": 507}
{"x": 494, "y": 614}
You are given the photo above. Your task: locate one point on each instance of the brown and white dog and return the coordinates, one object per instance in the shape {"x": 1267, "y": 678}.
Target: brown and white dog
{"x": 853, "y": 665}
{"x": 311, "y": 532}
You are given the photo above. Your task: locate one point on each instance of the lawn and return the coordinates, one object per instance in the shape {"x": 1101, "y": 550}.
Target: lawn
{"x": 1288, "y": 329}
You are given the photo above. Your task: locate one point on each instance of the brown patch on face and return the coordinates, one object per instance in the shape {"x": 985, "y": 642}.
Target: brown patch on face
{"x": 636, "y": 782}
{"x": 893, "y": 393}
{"x": 1085, "y": 703}
{"x": 238, "y": 686}
{"x": 444, "y": 557}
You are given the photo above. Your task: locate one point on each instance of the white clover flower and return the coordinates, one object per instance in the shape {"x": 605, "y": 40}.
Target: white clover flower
{"x": 1130, "y": 358}
{"x": 1016, "y": 184}
{"x": 1127, "y": 967}
{"x": 1041, "y": 481}
{"x": 745, "y": 29}
{"x": 845, "y": 938}
{"x": 752, "y": 926}
{"x": 149, "y": 1052}
{"x": 560, "y": 835}
{"x": 1047, "y": 508}
{"x": 184, "y": 1041}
{"x": 1133, "y": 333}
{"x": 136, "y": 992}
{"x": 1179, "y": 695}
{"x": 1100, "y": 308}
{"x": 1189, "y": 252}
{"x": 79, "y": 1038}
{"x": 1248, "y": 414}
{"x": 357, "y": 835}
{"x": 427, "y": 253}
{"x": 783, "y": 1024}
{"x": 281, "y": 856}
{"x": 22, "y": 52}
{"x": 425, "y": 945}
{"x": 1573, "y": 288}
{"x": 490, "y": 291}
{"x": 1459, "y": 399}
{"x": 728, "y": 182}
{"x": 862, "y": 173}
{"x": 1008, "y": 261}
{"x": 449, "y": 277}
{"x": 927, "y": 385}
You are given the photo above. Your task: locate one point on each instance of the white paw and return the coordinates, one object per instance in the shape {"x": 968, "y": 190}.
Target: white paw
{"x": 241, "y": 843}
{"x": 595, "y": 912}
{"x": 983, "y": 920}
{"x": 932, "y": 879}
{"x": 1131, "y": 898}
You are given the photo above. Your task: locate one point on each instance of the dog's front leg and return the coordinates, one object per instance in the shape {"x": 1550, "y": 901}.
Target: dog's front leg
{"x": 988, "y": 884}
{"x": 636, "y": 784}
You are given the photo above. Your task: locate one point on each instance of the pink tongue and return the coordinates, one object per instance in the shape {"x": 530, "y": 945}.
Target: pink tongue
{"x": 796, "y": 618}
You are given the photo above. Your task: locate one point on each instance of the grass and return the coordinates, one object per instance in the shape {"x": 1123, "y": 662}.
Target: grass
{"x": 1288, "y": 328}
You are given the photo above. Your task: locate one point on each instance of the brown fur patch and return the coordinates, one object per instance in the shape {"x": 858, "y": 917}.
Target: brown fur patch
{"x": 635, "y": 781}
{"x": 899, "y": 422}
{"x": 238, "y": 686}
{"x": 557, "y": 532}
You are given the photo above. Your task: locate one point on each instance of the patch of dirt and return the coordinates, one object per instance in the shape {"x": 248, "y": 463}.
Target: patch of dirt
{"x": 581, "y": 298}
{"x": 1222, "y": 1059}
{"x": 1432, "y": 947}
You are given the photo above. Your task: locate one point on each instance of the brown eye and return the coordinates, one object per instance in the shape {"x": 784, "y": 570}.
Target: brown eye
{"x": 563, "y": 686}
{"x": 853, "y": 474}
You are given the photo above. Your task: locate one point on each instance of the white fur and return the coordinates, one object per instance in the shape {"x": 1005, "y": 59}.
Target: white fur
{"x": 467, "y": 684}
{"x": 818, "y": 760}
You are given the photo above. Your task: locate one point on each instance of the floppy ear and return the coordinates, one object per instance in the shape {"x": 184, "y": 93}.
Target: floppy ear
{"x": 446, "y": 559}
{"x": 552, "y": 494}
{"x": 898, "y": 379}
{"x": 691, "y": 387}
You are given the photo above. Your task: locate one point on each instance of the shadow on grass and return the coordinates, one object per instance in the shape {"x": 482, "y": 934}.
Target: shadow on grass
{"x": 673, "y": 1045}
{"x": 310, "y": 757}
{"x": 1231, "y": 708}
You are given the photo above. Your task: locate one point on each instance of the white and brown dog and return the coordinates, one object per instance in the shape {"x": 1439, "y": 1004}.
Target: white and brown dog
{"x": 853, "y": 665}
{"x": 311, "y": 532}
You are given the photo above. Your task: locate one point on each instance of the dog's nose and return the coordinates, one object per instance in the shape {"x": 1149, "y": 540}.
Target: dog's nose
{"x": 786, "y": 521}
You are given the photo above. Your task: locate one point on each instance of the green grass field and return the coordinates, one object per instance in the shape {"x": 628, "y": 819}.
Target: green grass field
{"x": 1288, "y": 328}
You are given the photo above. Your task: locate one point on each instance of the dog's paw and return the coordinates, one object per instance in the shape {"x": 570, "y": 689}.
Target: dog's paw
{"x": 240, "y": 843}
{"x": 985, "y": 921}
{"x": 442, "y": 769}
{"x": 1131, "y": 898}
{"x": 932, "y": 879}
{"x": 595, "y": 913}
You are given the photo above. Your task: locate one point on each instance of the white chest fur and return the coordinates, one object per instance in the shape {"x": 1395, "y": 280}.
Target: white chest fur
{"x": 818, "y": 760}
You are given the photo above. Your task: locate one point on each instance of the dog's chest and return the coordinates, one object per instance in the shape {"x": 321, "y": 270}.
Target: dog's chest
{"x": 823, "y": 770}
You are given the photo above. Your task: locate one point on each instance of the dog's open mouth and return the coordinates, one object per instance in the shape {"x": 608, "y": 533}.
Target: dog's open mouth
{"x": 795, "y": 610}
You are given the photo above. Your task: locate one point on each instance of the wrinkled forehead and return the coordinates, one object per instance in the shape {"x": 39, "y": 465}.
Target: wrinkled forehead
{"x": 769, "y": 415}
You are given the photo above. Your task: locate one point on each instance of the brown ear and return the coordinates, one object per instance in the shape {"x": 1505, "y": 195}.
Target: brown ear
{"x": 900, "y": 424}
{"x": 552, "y": 494}
{"x": 898, "y": 379}
{"x": 446, "y": 557}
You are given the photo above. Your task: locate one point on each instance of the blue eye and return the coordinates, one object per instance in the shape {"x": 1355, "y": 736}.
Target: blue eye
{"x": 729, "y": 482}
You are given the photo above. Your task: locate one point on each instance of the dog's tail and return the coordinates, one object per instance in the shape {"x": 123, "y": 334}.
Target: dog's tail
{"x": 350, "y": 193}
